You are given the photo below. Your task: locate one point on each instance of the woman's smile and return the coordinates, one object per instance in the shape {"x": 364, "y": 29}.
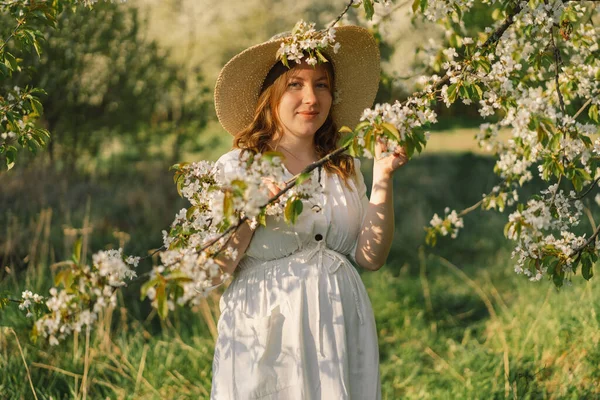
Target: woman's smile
{"x": 309, "y": 114}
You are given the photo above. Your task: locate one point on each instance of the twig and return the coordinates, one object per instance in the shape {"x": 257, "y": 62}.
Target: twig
{"x": 587, "y": 103}
{"x": 14, "y": 32}
{"x": 469, "y": 209}
{"x": 163, "y": 247}
{"x": 14, "y": 300}
{"x": 494, "y": 37}
{"x": 588, "y": 242}
{"x": 342, "y": 14}
{"x": 558, "y": 62}
{"x": 588, "y": 189}
{"x": 556, "y": 191}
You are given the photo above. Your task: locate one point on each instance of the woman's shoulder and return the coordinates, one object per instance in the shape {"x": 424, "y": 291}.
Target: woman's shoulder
{"x": 232, "y": 156}
{"x": 231, "y": 164}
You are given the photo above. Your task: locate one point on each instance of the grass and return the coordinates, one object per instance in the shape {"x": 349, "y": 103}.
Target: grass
{"x": 454, "y": 322}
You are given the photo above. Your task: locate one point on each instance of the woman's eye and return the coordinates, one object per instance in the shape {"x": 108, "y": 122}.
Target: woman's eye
{"x": 323, "y": 85}
{"x": 294, "y": 84}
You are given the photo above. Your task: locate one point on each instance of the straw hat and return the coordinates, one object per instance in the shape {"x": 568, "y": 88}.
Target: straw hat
{"x": 356, "y": 68}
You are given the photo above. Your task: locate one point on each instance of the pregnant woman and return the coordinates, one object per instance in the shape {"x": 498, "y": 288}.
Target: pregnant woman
{"x": 296, "y": 321}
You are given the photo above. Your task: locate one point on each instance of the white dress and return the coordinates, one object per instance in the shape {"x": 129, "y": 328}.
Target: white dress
{"x": 296, "y": 321}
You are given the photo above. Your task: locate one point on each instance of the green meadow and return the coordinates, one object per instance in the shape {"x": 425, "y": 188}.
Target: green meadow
{"x": 454, "y": 321}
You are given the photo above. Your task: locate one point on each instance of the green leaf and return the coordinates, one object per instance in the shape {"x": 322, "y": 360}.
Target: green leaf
{"x": 65, "y": 277}
{"x": 593, "y": 112}
{"x": 459, "y": 13}
{"x": 415, "y": 5}
{"x": 77, "y": 251}
{"x": 10, "y": 61}
{"x": 584, "y": 174}
{"x": 321, "y": 57}
{"x": 11, "y": 156}
{"x": 453, "y": 40}
{"x": 478, "y": 90}
{"x": 552, "y": 263}
{"x": 284, "y": 60}
{"x": 558, "y": 278}
{"x": 228, "y": 204}
{"x": 542, "y": 135}
{"x": 369, "y": 141}
{"x": 161, "y": 301}
{"x": 464, "y": 92}
{"x": 410, "y": 146}
{"x": 303, "y": 177}
{"x": 353, "y": 150}
{"x": 262, "y": 217}
{"x": 369, "y": 10}
{"x": 4, "y": 71}
{"x": 293, "y": 209}
{"x": 270, "y": 155}
{"x": 346, "y": 140}
{"x": 507, "y": 227}
{"x": 577, "y": 183}
{"x": 148, "y": 285}
{"x": 190, "y": 212}
{"x": 452, "y": 92}
{"x": 586, "y": 140}
{"x": 362, "y": 125}
{"x": 485, "y": 65}
{"x": 390, "y": 129}
{"x": 420, "y": 136}
{"x": 36, "y": 106}
{"x": 179, "y": 181}
{"x": 496, "y": 14}
{"x": 586, "y": 267}
{"x": 179, "y": 276}
{"x": 431, "y": 237}
{"x": 345, "y": 129}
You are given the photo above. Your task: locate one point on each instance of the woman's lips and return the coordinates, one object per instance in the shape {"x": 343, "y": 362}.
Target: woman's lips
{"x": 309, "y": 114}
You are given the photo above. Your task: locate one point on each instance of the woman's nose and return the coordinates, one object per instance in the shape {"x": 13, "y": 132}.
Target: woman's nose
{"x": 310, "y": 96}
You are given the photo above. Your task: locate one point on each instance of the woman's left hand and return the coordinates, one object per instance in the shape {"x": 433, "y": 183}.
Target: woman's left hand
{"x": 390, "y": 163}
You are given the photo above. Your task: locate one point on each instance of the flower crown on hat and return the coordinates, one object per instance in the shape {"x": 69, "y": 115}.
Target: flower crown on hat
{"x": 306, "y": 43}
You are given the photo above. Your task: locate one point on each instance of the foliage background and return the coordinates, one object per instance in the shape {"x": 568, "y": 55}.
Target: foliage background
{"x": 130, "y": 94}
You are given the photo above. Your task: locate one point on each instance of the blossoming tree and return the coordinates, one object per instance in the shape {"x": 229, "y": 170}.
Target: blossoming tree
{"x": 535, "y": 72}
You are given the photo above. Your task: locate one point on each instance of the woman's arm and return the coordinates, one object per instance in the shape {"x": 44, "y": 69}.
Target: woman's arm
{"x": 377, "y": 232}
{"x": 240, "y": 240}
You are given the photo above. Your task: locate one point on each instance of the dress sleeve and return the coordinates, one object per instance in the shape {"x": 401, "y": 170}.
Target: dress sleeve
{"x": 363, "y": 201}
{"x": 229, "y": 163}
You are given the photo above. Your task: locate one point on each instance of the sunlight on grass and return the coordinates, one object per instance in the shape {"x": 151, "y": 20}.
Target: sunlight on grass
{"x": 459, "y": 141}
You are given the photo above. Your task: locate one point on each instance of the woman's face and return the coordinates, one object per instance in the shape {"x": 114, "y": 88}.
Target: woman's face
{"x": 306, "y": 101}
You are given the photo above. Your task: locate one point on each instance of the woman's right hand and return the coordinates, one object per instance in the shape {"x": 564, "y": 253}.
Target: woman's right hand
{"x": 274, "y": 189}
